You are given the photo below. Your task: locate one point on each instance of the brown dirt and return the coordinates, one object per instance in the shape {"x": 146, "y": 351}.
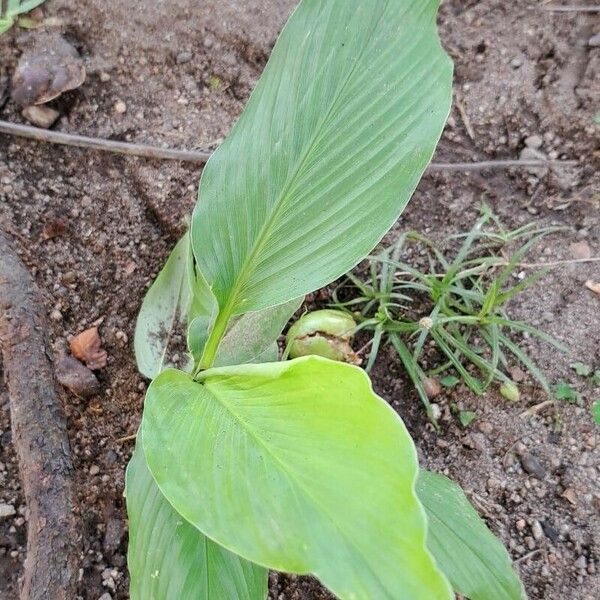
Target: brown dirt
{"x": 184, "y": 71}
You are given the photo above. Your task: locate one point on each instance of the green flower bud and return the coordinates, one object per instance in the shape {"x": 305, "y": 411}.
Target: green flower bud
{"x": 510, "y": 391}
{"x": 325, "y": 333}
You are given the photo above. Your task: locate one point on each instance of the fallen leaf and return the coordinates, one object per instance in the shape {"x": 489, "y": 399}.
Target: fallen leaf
{"x": 87, "y": 347}
{"x": 593, "y": 286}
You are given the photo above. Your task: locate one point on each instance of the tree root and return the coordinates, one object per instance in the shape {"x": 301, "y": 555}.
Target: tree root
{"x": 39, "y": 429}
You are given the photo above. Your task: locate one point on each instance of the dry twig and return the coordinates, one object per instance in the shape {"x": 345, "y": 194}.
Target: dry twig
{"x": 200, "y": 157}
{"x": 569, "y": 8}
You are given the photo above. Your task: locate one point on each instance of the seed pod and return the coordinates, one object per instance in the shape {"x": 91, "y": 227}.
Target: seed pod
{"x": 510, "y": 391}
{"x": 325, "y": 333}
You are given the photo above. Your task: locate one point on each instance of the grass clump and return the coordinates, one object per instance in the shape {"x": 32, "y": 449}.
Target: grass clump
{"x": 458, "y": 303}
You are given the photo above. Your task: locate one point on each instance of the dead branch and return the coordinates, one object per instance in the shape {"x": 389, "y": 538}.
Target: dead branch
{"x": 39, "y": 435}
{"x": 82, "y": 141}
{"x": 567, "y": 9}
{"x": 200, "y": 157}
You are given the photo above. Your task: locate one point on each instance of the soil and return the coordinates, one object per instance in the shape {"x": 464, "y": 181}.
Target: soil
{"x": 183, "y": 71}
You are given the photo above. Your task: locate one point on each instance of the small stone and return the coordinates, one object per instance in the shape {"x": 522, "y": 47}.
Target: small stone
{"x": 551, "y": 532}
{"x": 570, "y": 495}
{"x": 581, "y": 562}
{"x": 40, "y": 116}
{"x": 121, "y": 336}
{"x": 534, "y": 141}
{"x": 76, "y": 377}
{"x": 7, "y": 510}
{"x": 51, "y": 67}
{"x": 537, "y": 531}
{"x": 485, "y": 427}
{"x": 94, "y": 470}
{"x": 532, "y": 465}
{"x": 104, "y": 77}
{"x": 113, "y": 535}
{"x": 184, "y": 57}
{"x": 56, "y": 316}
{"x": 432, "y": 387}
{"x": 436, "y": 411}
{"x": 105, "y": 596}
{"x": 594, "y": 41}
{"x": 520, "y": 524}
{"x": 531, "y": 154}
{"x": 516, "y": 62}
{"x": 517, "y": 374}
{"x": 120, "y": 107}
{"x": 580, "y": 250}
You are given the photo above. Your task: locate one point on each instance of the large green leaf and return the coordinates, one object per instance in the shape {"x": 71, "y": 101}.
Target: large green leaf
{"x": 327, "y": 153}
{"x": 297, "y": 466}
{"x": 473, "y": 559}
{"x": 169, "y": 559}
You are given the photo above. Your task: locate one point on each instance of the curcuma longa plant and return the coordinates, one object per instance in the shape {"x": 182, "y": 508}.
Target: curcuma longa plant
{"x": 242, "y": 463}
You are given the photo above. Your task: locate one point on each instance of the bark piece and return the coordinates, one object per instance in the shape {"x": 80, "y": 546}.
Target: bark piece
{"x": 39, "y": 436}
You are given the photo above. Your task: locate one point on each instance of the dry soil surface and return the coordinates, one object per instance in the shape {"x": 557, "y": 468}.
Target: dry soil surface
{"x": 178, "y": 74}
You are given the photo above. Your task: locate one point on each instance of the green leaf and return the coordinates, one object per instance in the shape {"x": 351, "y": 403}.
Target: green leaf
{"x": 5, "y": 24}
{"x": 595, "y": 378}
{"x": 473, "y": 559}
{"x": 169, "y": 559}
{"x": 297, "y": 466}
{"x": 164, "y": 311}
{"x": 327, "y": 153}
{"x": 563, "y": 391}
{"x": 581, "y": 369}
{"x": 178, "y": 295}
{"x": 253, "y": 333}
{"x": 596, "y": 411}
{"x": 466, "y": 417}
{"x": 450, "y": 381}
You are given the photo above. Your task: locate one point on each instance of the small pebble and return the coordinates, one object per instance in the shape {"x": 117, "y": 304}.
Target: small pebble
{"x": 94, "y": 470}
{"x": 120, "y": 107}
{"x": 534, "y": 141}
{"x": 7, "y": 510}
{"x": 551, "y": 532}
{"x": 56, "y": 315}
{"x": 580, "y": 250}
{"x": 520, "y": 524}
{"x": 40, "y": 116}
{"x": 536, "y": 530}
{"x": 432, "y": 387}
{"x": 485, "y": 427}
{"x": 76, "y": 377}
{"x": 436, "y": 411}
{"x": 183, "y": 57}
{"x": 532, "y": 465}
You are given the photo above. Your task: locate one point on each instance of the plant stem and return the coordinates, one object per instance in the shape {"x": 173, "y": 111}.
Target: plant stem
{"x": 214, "y": 339}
